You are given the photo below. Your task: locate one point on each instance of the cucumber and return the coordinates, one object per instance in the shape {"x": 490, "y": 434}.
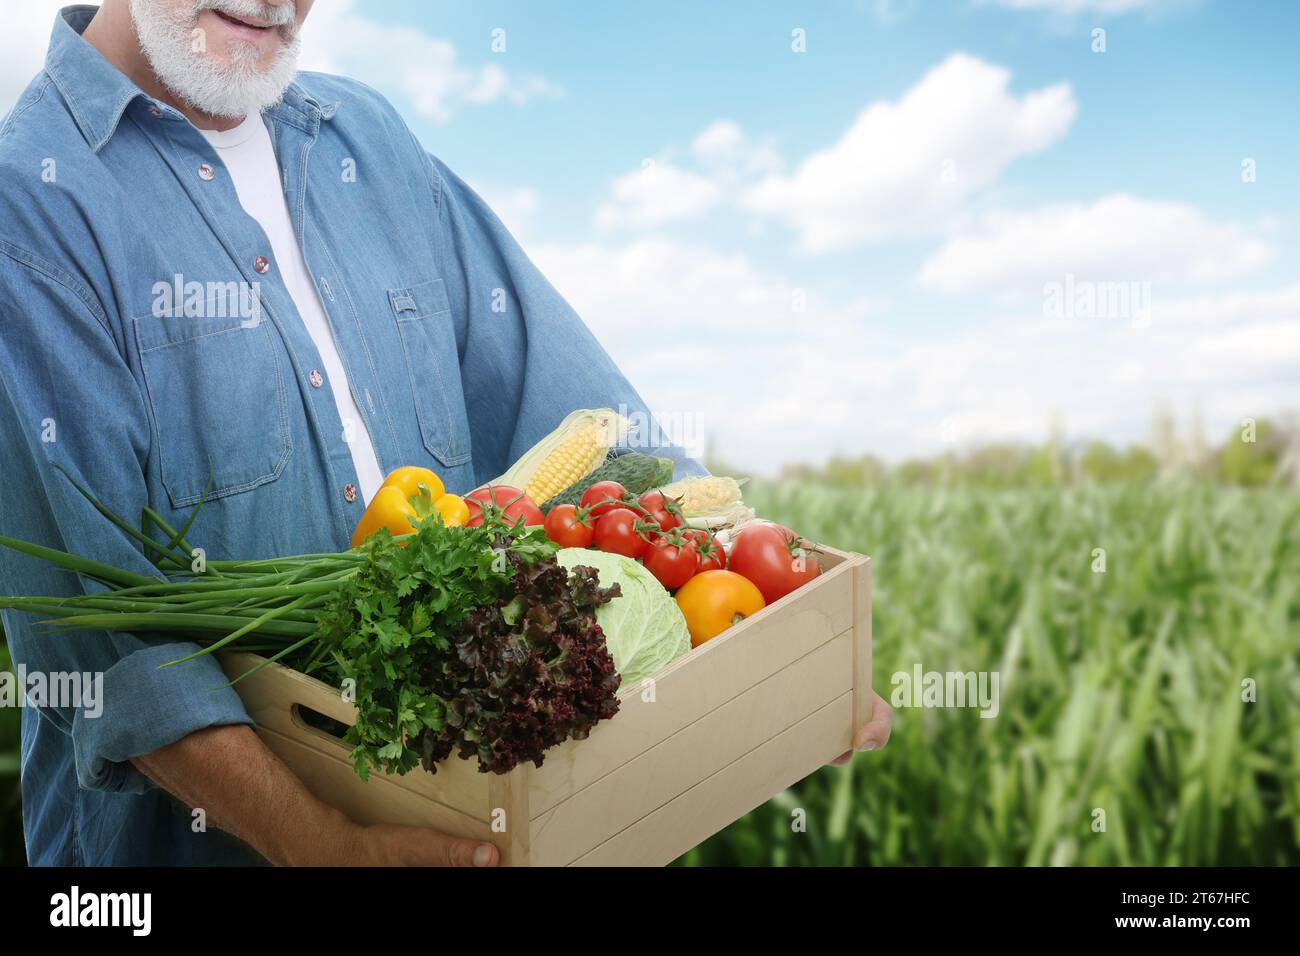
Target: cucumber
{"x": 635, "y": 472}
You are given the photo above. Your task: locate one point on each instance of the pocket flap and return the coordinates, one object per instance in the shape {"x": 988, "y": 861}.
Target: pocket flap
{"x": 155, "y": 332}
{"x": 420, "y": 301}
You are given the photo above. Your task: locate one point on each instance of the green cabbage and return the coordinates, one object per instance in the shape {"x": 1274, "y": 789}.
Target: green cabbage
{"x": 643, "y": 626}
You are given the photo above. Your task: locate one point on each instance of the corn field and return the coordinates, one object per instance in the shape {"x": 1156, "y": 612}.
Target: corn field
{"x": 1159, "y": 691}
{"x": 1121, "y": 691}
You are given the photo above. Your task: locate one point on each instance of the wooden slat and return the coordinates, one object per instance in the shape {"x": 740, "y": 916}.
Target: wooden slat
{"x": 862, "y": 696}
{"x": 508, "y": 802}
{"x": 675, "y": 765}
{"x": 729, "y": 794}
{"x": 699, "y": 683}
{"x": 271, "y": 695}
{"x": 379, "y": 801}
{"x": 832, "y": 557}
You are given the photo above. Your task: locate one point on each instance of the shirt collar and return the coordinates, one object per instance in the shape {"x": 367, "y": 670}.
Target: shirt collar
{"x": 98, "y": 93}
{"x": 301, "y": 109}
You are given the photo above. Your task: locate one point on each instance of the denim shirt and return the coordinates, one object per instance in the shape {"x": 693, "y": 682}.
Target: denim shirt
{"x": 459, "y": 353}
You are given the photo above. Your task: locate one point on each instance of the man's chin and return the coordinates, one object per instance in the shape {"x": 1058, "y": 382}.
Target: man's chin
{"x": 235, "y": 101}
{"x": 239, "y": 69}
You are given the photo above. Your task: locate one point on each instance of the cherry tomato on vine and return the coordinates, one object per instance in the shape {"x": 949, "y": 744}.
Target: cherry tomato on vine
{"x": 618, "y": 533}
{"x": 662, "y": 509}
{"x": 603, "y": 497}
{"x": 711, "y": 555}
{"x": 507, "y": 501}
{"x": 672, "y": 559}
{"x": 570, "y": 528}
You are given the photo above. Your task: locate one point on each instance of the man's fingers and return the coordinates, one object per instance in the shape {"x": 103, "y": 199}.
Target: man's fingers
{"x": 874, "y": 734}
{"x": 437, "y": 849}
{"x": 469, "y": 853}
{"x": 842, "y": 759}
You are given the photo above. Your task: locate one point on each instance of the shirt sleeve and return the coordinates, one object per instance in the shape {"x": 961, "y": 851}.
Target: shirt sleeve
{"x": 527, "y": 359}
{"x": 67, "y": 396}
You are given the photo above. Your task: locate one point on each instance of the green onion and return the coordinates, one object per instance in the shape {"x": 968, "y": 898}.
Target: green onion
{"x": 269, "y": 605}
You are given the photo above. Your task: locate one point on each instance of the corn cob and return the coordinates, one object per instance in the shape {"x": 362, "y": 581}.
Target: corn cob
{"x": 635, "y": 472}
{"x": 574, "y": 450}
{"x": 705, "y": 494}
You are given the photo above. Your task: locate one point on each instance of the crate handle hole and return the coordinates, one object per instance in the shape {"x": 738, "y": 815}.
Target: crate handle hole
{"x": 322, "y": 723}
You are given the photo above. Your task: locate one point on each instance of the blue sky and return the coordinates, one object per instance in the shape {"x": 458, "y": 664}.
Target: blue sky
{"x": 849, "y": 249}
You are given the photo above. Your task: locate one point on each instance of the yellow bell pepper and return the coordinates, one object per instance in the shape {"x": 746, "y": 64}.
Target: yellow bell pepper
{"x": 408, "y": 479}
{"x": 409, "y": 495}
{"x": 390, "y": 509}
{"x": 453, "y": 509}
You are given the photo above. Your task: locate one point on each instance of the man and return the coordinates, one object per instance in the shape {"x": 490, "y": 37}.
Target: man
{"x": 213, "y": 271}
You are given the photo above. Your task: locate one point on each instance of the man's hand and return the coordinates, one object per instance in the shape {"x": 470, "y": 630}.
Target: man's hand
{"x": 388, "y": 845}
{"x": 247, "y": 791}
{"x": 872, "y": 735}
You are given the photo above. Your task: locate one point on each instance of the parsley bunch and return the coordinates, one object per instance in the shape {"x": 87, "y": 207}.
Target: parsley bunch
{"x": 468, "y": 640}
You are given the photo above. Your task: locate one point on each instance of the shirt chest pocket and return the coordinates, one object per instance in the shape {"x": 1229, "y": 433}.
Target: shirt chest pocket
{"x": 217, "y": 390}
{"x": 424, "y": 322}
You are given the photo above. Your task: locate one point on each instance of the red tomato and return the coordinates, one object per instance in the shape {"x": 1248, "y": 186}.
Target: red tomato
{"x": 663, "y": 510}
{"x": 617, "y": 532}
{"x": 568, "y": 528}
{"x": 671, "y": 559}
{"x": 603, "y": 497}
{"x": 772, "y": 557}
{"x": 711, "y": 555}
{"x": 504, "y": 501}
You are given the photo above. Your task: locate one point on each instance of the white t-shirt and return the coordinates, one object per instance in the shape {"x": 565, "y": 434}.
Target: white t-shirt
{"x": 250, "y": 159}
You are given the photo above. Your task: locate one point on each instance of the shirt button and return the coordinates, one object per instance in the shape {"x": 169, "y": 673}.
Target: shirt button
{"x": 349, "y": 493}
{"x": 155, "y": 110}
{"x": 316, "y": 379}
{"x": 261, "y": 264}
{"x": 206, "y": 172}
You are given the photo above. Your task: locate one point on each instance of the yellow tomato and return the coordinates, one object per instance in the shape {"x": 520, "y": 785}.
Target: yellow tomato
{"x": 387, "y": 509}
{"x": 712, "y": 601}
{"x": 453, "y": 509}
{"x": 408, "y": 479}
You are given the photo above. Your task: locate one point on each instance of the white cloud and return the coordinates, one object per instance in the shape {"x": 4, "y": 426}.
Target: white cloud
{"x": 1116, "y": 238}
{"x": 402, "y": 60}
{"x": 902, "y": 168}
{"x": 516, "y": 207}
{"x": 730, "y": 153}
{"x": 1272, "y": 346}
{"x": 657, "y": 193}
{"x": 1235, "y": 307}
{"x": 674, "y": 287}
{"x": 708, "y": 334}
{"x": 908, "y": 167}
{"x": 666, "y": 190}
{"x": 711, "y": 334}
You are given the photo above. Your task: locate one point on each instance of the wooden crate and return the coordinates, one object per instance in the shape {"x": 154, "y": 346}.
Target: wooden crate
{"x": 720, "y": 731}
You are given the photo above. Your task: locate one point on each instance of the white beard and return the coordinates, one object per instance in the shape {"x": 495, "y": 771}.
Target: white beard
{"x": 231, "y": 90}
